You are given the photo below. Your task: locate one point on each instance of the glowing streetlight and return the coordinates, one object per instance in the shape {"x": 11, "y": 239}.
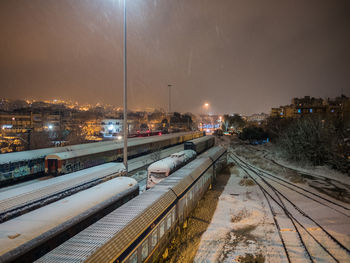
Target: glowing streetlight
{"x": 206, "y": 107}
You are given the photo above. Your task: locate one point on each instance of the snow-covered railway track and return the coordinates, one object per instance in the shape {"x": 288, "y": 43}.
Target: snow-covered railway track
{"x": 332, "y": 181}
{"x": 332, "y": 204}
{"x": 292, "y": 241}
{"x": 317, "y": 243}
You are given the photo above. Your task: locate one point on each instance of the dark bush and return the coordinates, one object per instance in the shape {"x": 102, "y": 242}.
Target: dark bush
{"x": 318, "y": 140}
{"x": 253, "y": 133}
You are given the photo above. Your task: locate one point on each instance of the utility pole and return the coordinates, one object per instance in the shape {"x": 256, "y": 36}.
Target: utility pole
{"x": 125, "y": 150}
{"x": 169, "y": 85}
{"x": 169, "y": 110}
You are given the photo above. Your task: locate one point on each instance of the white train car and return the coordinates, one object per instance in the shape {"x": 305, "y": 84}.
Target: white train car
{"x": 161, "y": 169}
{"x": 27, "y": 237}
{"x": 20, "y": 200}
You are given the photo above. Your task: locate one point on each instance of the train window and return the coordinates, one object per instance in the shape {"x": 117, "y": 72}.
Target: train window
{"x": 133, "y": 258}
{"x": 161, "y": 229}
{"x": 173, "y": 215}
{"x": 168, "y": 224}
{"x": 144, "y": 251}
{"x": 154, "y": 239}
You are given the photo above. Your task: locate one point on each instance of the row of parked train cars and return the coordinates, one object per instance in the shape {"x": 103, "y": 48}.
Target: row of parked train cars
{"x": 140, "y": 230}
{"x": 27, "y": 237}
{"x": 161, "y": 169}
{"x": 63, "y": 160}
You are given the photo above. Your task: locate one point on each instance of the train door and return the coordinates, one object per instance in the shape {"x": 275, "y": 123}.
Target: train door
{"x": 52, "y": 166}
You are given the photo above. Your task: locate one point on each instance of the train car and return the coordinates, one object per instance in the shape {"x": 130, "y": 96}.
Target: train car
{"x": 161, "y": 169}
{"x": 28, "y": 164}
{"x": 140, "y": 230}
{"x": 27, "y": 237}
{"x": 200, "y": 145}
{"x": 218, "y": 156}
{"x": 67, "y": 162}
{"x": 17, "y": 201}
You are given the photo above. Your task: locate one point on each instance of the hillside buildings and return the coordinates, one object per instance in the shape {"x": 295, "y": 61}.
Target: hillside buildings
{"x": 340, "y": 106}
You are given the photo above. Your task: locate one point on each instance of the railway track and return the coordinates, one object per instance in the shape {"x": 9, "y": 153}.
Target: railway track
{"x": 336, "y": 206}
{"x": 330, "y": 181}
{"x": 294, "y": 225}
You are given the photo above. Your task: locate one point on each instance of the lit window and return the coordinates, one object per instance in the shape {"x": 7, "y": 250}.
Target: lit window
{"x": 133, "y": 258}
{"x": 154, "y": 239}
{"x": 161, "y": 229}
{"x": 310, "y": 110}
{"x": 144, "y": 252}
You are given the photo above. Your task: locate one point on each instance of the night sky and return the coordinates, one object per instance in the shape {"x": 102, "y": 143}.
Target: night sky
{"x": 240, "y": 56}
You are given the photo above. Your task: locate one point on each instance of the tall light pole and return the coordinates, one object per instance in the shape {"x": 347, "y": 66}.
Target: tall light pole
{"x": 125, "y": 150}
{"x": 206, "y": 110}
{"x": 169, "y": 110}
{"x": 169, "y": 85}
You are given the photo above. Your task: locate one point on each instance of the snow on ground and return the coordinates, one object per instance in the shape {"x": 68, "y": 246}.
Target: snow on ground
{"x": 242, "y": 228}
{"x": 324, "y": 170}
{"x": 242, "y": 225}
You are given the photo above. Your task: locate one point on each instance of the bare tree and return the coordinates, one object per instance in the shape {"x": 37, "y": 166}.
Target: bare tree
{"x": 75, "y": 136}
{"x": 38, "y": 140}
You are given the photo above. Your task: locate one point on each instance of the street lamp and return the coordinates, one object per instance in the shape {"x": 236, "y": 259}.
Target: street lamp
{"x": 206, "y": 107}
{"x": 125, "y": 150}
{"x": 206, "y": 110}
{"x": 169, "y": 86}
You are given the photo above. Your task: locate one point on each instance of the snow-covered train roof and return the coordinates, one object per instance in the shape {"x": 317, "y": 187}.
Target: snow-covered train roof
{"x": 200, "y": 139}
{"x": 111, "y": 147}
{"x": 184, "y": 153}
{"x": 169, "y": 163}
{"x": 41, "y": 153}
{"x": 28, "y": 194}
{"x": 164, "y": 165}
{"x": 22, "y": 233}
{"x": 126, "y": 221}
{"x": 214, "y": 153}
